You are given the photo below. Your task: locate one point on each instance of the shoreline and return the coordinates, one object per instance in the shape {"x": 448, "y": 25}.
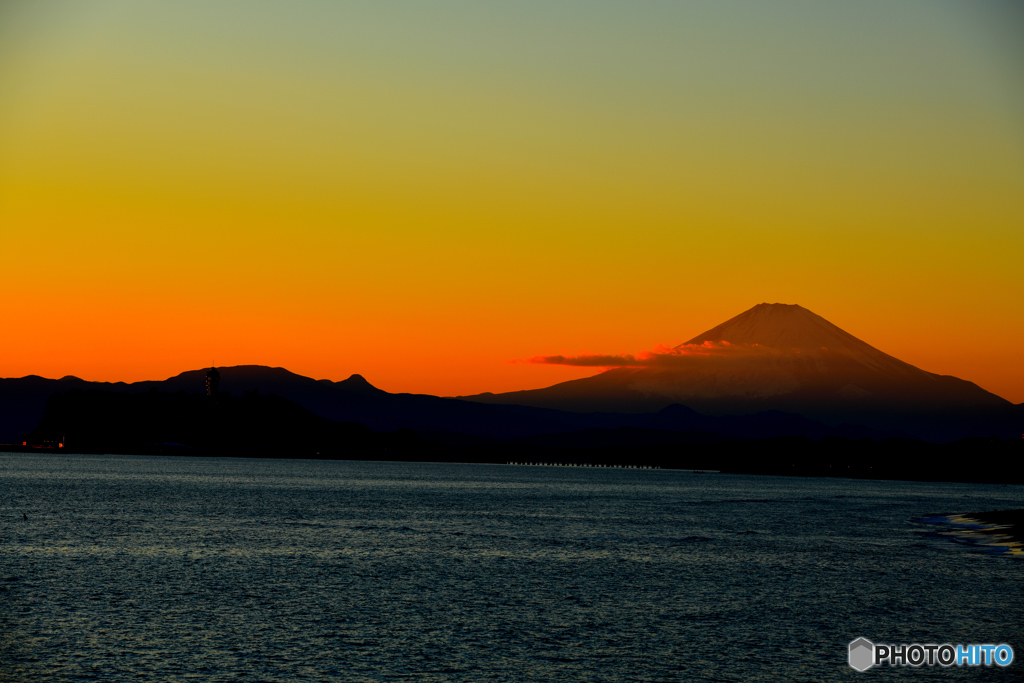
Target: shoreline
{"x": 1006, "y": 523}
{"x": 980, "y": 461}
{"x": 999, "y": 532}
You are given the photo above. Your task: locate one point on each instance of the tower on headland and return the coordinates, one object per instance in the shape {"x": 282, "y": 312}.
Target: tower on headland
{"x": 212, "y": 382}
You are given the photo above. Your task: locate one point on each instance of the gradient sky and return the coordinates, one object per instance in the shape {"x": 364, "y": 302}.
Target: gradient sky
{"x": 425, "y": 192}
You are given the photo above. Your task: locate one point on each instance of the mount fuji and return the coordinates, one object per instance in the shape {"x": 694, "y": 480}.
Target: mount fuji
{"x": 784, "y": 357}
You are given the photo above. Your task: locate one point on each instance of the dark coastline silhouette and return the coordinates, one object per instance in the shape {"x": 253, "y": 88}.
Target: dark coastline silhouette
{"x": 260, "y": 425}
{"x": 356, "y": 400}
{"x": 775, "y": 390}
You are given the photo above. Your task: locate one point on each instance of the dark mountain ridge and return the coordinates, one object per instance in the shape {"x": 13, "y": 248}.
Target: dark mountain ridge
{"x": 355, "y": 400}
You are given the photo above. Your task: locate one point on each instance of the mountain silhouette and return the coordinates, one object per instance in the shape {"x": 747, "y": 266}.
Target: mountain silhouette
{"x": 45, "y": 411}
{"x": 775, "y": 370}
{"x": 784, "y": 357}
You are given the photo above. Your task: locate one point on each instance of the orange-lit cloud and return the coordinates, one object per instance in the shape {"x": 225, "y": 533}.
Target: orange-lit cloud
{"x": 661, "y": 357}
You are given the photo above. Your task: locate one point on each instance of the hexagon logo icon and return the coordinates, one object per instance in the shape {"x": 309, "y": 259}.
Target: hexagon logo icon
{"x": 862, "y": 654}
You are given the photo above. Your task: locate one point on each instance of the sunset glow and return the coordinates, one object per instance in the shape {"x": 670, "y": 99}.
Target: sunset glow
{"x": 428, "y": 194}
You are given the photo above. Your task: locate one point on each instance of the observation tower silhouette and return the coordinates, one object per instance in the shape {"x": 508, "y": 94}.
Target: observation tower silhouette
{"x": 212, "y": 381}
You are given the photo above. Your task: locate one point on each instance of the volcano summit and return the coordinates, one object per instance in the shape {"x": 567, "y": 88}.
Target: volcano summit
{"x": 784, "y": 357}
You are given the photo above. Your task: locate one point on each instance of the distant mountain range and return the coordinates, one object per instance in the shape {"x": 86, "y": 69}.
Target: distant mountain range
{"x": 784, "y": 357}
{"x": 23, "y": 402}
{"x": 775, "y": 370}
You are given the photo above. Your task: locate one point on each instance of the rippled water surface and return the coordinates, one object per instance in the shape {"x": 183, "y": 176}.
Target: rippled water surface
{"x": 167, "y": 569}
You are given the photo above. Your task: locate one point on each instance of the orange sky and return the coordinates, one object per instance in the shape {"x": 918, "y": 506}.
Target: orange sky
{"x": 425, "y": 194}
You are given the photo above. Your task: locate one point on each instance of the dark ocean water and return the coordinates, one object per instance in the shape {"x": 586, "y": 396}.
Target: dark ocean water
{"x": 171, "y": 569}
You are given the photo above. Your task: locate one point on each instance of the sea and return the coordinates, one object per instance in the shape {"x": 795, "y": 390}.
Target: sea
{"x": 138, "y": 568}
